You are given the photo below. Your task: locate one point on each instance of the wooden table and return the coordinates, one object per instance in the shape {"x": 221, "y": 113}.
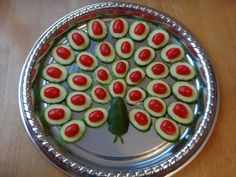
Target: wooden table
{"x": 213, "y": 22}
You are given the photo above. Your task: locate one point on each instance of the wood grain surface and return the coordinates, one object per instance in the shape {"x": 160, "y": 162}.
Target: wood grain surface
{"x": 213, "y": 22}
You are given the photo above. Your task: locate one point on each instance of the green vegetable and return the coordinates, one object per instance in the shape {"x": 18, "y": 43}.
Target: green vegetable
{"x": 118, "y": 118}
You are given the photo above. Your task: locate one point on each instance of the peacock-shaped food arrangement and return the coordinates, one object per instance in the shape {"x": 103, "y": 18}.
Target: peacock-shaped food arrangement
{"x": 129, "y": 78}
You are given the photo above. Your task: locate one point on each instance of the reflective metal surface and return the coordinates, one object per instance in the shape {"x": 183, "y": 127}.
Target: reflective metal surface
{"x": 142, "y": 154}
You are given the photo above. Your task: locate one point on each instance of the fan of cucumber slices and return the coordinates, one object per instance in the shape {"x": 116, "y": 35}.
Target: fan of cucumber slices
{"x": 121, "y": 84}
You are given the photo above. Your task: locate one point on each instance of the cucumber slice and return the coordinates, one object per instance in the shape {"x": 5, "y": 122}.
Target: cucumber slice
{"x": 117, "y": 88}
{"x": 78, "y": 39}
{"x": 140, "y": 120}
{"x": 139, "y": 30}
{"x": 105, "y": 52}
{"x": 78, "y": 101}
{"x": 97, "y": 29}
{"x": 57, "y": 114}
{"x": 182, "y": 71}
{"x": 158, "y": 38}
{"x": 181, "y": 113}
{"x": 95, "y": 117}
{"x": 120, "y": 68}
{"x": 158, "y": 88}
{"x": 100, "y": 94}
{"x": 86, "y": 61}
{"x": 167, "y": 129}
{"x": 53, "y": 93}
{"x": 63, "y": 54}
{"x": 124, "y": 47}
{"x": 79, "y": 81}
{"x": 103, "y": 75}
{"x": 55, "y": 73}
{"x": 118, "y": 27}
{"x": 144, "y": 55}
{"x": 185, "y": 92}
{"x": 155, "y": 106}
{"x": 72, "y": 131}
{"x": 135, "y": 76}
{"x": 157, "y": 70}
{"x": 135, "y": 95}
{"x": 172, "y": 53}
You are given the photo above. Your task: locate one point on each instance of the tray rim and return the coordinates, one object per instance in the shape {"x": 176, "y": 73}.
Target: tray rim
{"x": 67, "y": 165}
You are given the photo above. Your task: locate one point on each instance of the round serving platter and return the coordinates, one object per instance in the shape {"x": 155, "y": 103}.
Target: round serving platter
{"x": 141, "y": 154}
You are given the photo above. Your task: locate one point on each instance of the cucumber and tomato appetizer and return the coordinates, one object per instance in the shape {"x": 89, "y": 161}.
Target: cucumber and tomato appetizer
{"x": 135, "y": 95}
{"x": 185, "y": 92}
{"x": 172, "y": 53}
{"x": 78, "y": 39}
{"x": 159, "y": 89}
{"x": 144, "y": 55}
{"x": 157, "y": 70}
{"x": 72, "y": 131}
{"x": 105, "y": 52}
{"x": 100, "y": 94}
{"x": 103, "y": 75}
{"x": 63, "y": 54}
{"x": 55, "y": 73}
{"x": 86, "y": 61}
{"x": 181, "y": 113}
{"x": 78, "y": 101}
{"x": 117, "y": 88}
{"x": 124, "y": 47}
{"x": 182, "y": 71}
{"x": 140, "y": 119}
{"x": 135, "y": 76}
{"x": 139, "y": 30}
{"x": 79, "y": 81}
{"x": 167, "y": 129}
{"x": 57, "y": 114}
{"x": 95, "y": 117}
{"x": 118, "y": 118}
{"x": 155, "y": 106}
{"x": 158, "y": 38}
{"x": 118, "y": 27}
{"x": 97, "y": 29}
{"x": 120, "y": 68}
{"x": 53, "y": 93}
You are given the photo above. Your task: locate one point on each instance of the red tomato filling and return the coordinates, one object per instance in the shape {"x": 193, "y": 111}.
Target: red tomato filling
{"x": 155, "y": 105}
{"x": 100, "y": 93}
{"x": 77, "y": 38}
{"x": 78, "y": 99}
{"x": 97, "y": 28}
{"x": 158, "y": 38}
{"x": 63, "y": 53}
{"x": 54, "y": 72}
{"x": 118, "y": 26}
{"x": 56, "y": 114}
{"x": 52, "y": 92}
{"x": 139, "y": 29}
{"x": 185, "y": 91}
{"x": 180, "y": 110}
{"x": 72, "y": 130}
{"x": 86, "y": 60}
{"x": 168, "y": 127}
{"x": 96, "y": 116}
{"x": 141, "y": 118}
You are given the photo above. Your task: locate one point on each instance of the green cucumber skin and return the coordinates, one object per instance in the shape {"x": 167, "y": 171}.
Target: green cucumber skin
{"x": 193, "y": 102}
{"x": 185, "y": 124}
{"x": 118, "y": 117}
{"x": 170, "y": 141}
{"x": 90, "y": 125}
{"x": 143, "y": 131}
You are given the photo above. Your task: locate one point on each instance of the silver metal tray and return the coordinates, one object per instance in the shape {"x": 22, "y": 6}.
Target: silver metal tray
{"x": 142, "y": 154}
